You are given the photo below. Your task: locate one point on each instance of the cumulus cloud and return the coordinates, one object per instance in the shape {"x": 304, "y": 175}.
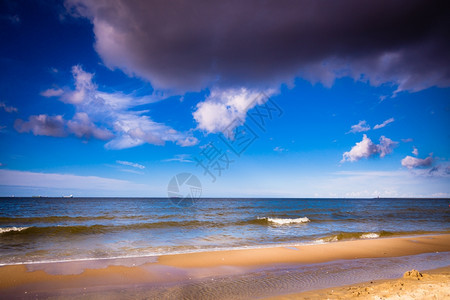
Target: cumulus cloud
{"x": 223, "y": 107}
{"x": 42, "y": 125}
{"x": 415, "y": 162}
{"x": 57, "y": 126}
{"x": 133, "y": 130}
{"x": 386, "y": 146}
{"x": 7, "y": 108}
{"x": 363, "y": 149}
{"x": 82, "y": 126}
{"x": 195, "y": 44}
{"x": 415, "y": 151}
{"x": 83, "y": 86}
{"x": 130, "y": 164}
{"x": 123, "y": 126}
{"x": 366, "y": 148}
{"x": 388, "y": 121}
{"x": 360, "y": 127}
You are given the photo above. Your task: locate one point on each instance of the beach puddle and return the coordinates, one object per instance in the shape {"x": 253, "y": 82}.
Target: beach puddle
{"x": 285, "y": 279}
{"x": 292, "y": 248}
{"x": 78, "y": 267}
{"x": 225, "y": 282}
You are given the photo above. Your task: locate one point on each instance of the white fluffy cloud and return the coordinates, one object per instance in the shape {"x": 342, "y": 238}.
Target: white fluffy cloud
{"x": 83, "y": 86}
{"x": 414, "y": 162}
{"x": 82, "y": 126}
{"x": 225, "y": 107}
{"x": 378, "y": 126}
{"x": 366, "y": 148}
{"x": 123, "y": 126}
{"x": 363, "y": 149}
{"x": 360, "y": 127}
{"x": 386, "y": 146}
{"x": 415, "y": 151}
{"x": 133, "y": 129}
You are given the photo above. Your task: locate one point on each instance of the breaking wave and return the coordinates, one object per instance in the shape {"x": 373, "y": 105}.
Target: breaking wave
{"x": 348, "y": 236}
{"x": 285, "y": 221}
{"x": 10, "y": 229}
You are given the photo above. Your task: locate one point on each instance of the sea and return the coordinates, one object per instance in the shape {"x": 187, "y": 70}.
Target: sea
{"x": 37, "y": 230}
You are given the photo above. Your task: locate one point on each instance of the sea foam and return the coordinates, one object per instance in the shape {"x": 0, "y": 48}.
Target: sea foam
{"x": 8, "y": 229}
{"x": 370, "y": 235}
{"x": 281, "y": 221}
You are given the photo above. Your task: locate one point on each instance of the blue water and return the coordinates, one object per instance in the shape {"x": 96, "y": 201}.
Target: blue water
{"x": 55, "y": 229}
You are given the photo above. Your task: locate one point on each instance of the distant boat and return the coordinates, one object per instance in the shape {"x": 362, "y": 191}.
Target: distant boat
{"x": 69, "y": 196}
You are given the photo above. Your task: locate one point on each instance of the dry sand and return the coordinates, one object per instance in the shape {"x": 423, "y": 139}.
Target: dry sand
{"x": 434, "y": 284}
{"x": 174, "y": 269}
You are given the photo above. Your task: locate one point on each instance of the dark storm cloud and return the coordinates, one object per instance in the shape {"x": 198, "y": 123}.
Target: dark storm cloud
{"x": 188, "y": 45}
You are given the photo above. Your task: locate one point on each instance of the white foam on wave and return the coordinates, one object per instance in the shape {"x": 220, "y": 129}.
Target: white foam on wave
{"x": 281, "y": 221}
{"x": 155, "y": 255}
{"x": 8, "y": 229}
{"x": 326, "y": 240}
{"x": 370, "y": 235}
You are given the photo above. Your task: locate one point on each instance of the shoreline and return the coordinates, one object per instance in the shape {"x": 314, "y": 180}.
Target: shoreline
{"x": 180, "y": 269}
{"x": 212, "y": 250}
{"x": 313, "y": 253}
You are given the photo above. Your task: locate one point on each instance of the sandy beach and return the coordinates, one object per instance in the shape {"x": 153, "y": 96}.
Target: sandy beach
{"x": 433, "y": 284}
{"x": 232, "y": 274}
{"x": 216, "y": 150}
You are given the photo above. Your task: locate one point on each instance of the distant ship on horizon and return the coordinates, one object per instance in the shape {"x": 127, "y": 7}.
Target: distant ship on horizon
{"x": 69, "y": 196}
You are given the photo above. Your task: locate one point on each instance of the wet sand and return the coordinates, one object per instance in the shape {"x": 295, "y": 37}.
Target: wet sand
{"x": 432, "y": 284}
{"x": 248, "y": 273}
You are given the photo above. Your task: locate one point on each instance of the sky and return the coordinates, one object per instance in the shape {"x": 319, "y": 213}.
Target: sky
{"x": 282, "y": 98}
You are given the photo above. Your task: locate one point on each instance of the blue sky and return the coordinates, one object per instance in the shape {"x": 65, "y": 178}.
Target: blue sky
{"x": 92, "y": 107}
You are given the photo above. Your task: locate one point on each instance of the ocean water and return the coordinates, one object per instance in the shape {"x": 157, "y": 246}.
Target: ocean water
{"x": 64, "y": 229}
